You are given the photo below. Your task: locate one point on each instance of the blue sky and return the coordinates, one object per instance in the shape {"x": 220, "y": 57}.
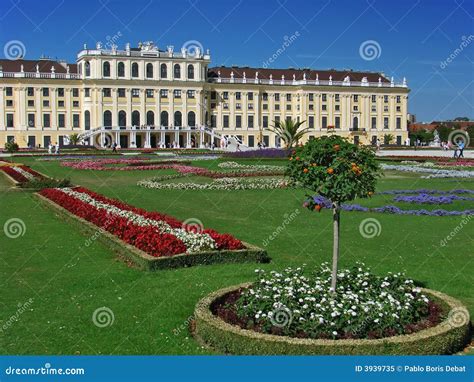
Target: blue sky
{"x": 412, "y": 38}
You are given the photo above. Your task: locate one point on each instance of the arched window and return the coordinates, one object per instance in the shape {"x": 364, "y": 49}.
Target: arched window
{"x": 149, "y": 70}
{"x": 136, "y": 118}
{"x": 164, "y": 119}
{"x": 191, "y": 119}
{"x": 177, "y": 71}
{"x": 150, "y": 118}
{"x": 107, "y": 119}
{"x": 355, "y": 123}
{"x": 163, "y": 71}
{"x": 190, "y": 72}
{"x": 121, "y": 69}
{"x": 87, "y": 120}
{"x": 106, "y": 69}
{"x": 122, "y": 119}
{"x": 87, "y": 69}
{"x": 178, "y": 119}
{"x": 134, "y": 69}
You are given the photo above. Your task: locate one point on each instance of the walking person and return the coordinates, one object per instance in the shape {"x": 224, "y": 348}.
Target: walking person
{"x": 461, "y": 146}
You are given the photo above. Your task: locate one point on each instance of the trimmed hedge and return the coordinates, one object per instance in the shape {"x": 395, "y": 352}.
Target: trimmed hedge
{"x": 445, "y": 338}
{"x": 146, "y": 262}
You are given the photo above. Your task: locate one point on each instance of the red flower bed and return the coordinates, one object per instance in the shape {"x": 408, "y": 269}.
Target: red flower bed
{"x": 145, "y": 238}
{"x": 18, "y": 176}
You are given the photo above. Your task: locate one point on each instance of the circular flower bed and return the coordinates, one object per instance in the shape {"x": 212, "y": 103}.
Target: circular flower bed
{"x": 291, "y": 313}
{"x": 364, "y": 305}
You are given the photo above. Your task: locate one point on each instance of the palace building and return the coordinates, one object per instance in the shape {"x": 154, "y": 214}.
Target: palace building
{"x": 149, "y": 97}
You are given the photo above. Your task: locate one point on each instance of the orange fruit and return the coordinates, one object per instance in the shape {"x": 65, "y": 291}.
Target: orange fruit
{"x": 317, "y": 207}
{"x": 337, "y": 147}
{"x": 330, "y": 171}
{"x": 305, "y": 170}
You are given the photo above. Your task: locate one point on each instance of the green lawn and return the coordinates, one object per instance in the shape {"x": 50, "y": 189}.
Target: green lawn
{"x": 69, "y": 279}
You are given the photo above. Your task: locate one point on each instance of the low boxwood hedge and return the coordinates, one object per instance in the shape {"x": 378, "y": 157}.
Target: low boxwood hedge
{"x": 146, "y": 262}
{"x": 446, "y": 338}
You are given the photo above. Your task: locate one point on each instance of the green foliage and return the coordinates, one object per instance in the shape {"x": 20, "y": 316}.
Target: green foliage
{"x": 387, "y": 139}
{"x": 334, "y": 168}
{"x": 74, "y": 139}
{"x": 289, "y": 131}
{"x": 425, "y": 136}
{"x": 11, "y": 147}
{"x": 41, "y": 183}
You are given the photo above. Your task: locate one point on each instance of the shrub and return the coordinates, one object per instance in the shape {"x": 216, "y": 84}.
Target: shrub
{"x": 42, "y": 183}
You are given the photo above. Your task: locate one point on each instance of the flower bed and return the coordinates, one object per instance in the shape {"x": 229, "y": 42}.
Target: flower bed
{"x": 153, "y": 234}
{"x": 433, "y": 172}
{"x": 261, "y": 153}
{"x": 318, "y": 202}
{"x": 447, "y": 337}
{"x": 20, "y": 173}
{"x": 217, "y": 184}
{"x": 256, "y": 167}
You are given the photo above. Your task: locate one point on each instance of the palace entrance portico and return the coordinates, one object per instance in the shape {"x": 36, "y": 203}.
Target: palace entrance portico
{"x": 151, "y": 137}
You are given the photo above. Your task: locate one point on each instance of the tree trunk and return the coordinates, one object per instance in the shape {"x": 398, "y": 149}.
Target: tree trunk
{"x": 335, "y": 246}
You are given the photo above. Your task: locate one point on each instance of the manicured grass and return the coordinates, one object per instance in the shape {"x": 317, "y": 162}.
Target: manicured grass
{"x": 69, "y": 275}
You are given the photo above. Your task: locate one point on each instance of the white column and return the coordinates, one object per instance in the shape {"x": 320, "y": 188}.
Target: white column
{"x": 188, "y": 140}
{"x": 162, "y": 139}
{"x": 117, "y": 138}
{"x": 133, "y": 140}
{"x": 147, "y": 140}
{"x": 2, "y": 111}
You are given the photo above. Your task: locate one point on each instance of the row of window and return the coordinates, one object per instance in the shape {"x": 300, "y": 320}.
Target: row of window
{"x": 324, "y": 122}
{"x": 30, "y": 92}
{"x": 107, "y": 119}
{"x": 149, "y": 93}
{"x": 135, "y": 70}
{"x": 250, "y": 106}
{"x": 288, "y": 96}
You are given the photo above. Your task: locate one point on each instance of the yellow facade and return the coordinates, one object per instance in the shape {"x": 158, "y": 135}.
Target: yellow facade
{"x": 148, "y": 97}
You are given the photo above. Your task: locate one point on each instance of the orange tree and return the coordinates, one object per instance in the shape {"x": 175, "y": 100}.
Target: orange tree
{"x": 338, "y": 171}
